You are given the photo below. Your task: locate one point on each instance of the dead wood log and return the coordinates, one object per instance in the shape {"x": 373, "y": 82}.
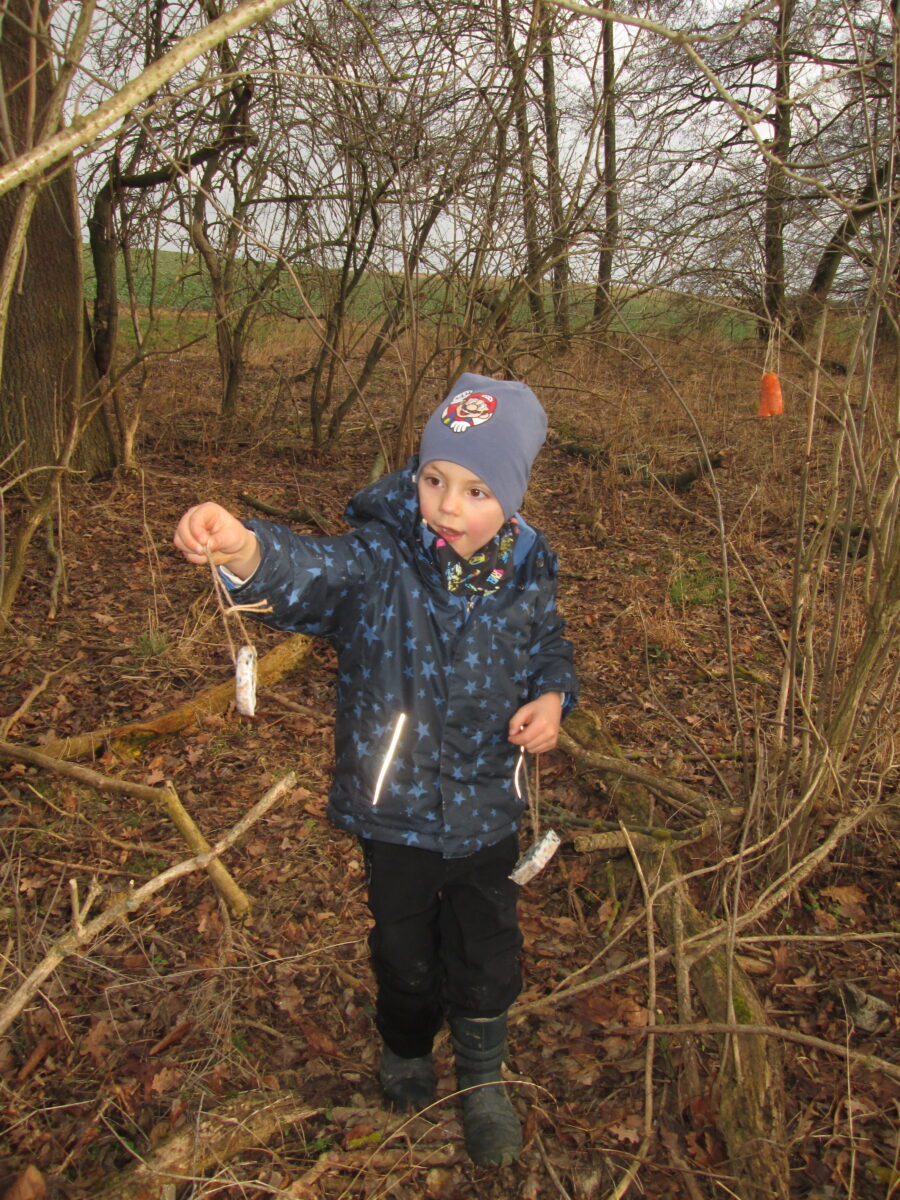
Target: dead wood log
{"x": 166, "y": 797}
{"x": 622, "y": 768}
{"x": 682, "y": 481}
{"x": 652, "y": 840}
{"x": 750, "y": 1088}
{"x": 678, "y": 481}
{"x": 247, "y": 1122}
{"x": 125, "y": 739}
{"x": 589, "y": 452}
{"x": 84, "y": 932}
{"x": 305, "y": 515}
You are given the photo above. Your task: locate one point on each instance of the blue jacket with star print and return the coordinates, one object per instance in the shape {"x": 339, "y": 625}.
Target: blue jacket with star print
{"x": 457, "y": 668}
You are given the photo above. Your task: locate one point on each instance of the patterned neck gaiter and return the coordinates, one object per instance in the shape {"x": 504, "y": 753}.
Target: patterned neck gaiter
{"x": 481, "y": 574}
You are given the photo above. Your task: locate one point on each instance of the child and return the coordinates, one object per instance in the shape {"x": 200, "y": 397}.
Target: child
{"x": 442, "y": 606}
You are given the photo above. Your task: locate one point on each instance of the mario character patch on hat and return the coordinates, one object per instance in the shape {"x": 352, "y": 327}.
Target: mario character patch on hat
{"x": 469, "y": 409}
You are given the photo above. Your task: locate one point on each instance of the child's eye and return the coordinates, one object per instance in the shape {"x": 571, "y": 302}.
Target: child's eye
{"x": 478, "y": 493}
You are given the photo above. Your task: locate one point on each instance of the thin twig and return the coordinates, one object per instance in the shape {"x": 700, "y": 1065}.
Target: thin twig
{"x": 77, "y": 938}
{"x": 651, "y": 985}
{"x": 628, "y": 1178}
{"x": 551, "y": 1171}
{"x": 871, "y": 1061}
{"x": 9, "y": 722}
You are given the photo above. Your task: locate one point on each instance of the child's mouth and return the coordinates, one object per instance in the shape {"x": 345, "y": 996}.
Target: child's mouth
{"x": 449, "y": 535}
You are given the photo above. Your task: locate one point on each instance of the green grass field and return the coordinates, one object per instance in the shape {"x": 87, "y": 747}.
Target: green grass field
{"x": 173, "y": 282}
{"x": 176, "y": 283}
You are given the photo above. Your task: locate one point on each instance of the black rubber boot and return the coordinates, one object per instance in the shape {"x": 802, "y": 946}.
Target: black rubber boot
{"x": 407, "y": 1083}
{"x": 490, "y": 1125}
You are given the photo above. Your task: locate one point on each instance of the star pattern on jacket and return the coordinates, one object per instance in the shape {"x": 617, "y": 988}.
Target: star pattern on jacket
{"x": 456, "y": 669}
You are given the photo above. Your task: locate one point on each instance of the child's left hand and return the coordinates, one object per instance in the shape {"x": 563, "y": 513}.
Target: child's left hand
{"x": 536, "y": 724}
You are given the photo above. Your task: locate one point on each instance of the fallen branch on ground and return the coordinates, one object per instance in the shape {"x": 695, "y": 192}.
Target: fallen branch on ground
{"x": 588, "y": 452}
{"x": 305, "y": 515}
{"x": 683, "y": 481}
{"x": 859, "y": 1057}
{"x": 750, "y": 1088}
{"x": 84, "y": 932}
{"x": 243, "y": 1123}
{"x": 609, "y": 764}
{"x": 654, "y": 839}
{"x": 271, "y": 668}
{"x": 166, "y": 797}
{"x": 679, "y": 481}
{"x": 381, "y": 1162}
{"x": 715, "y": 935}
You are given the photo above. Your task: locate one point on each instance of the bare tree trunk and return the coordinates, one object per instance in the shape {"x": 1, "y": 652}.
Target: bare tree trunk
{"x": 105, "y": 326}
{"x": 777, "y": 188}
{"x": 47, "y": 366}
{"x": 356, "y": 259}
{"x": 518, "y": 65}
{"x": 395, "y": 320}
{"x": 810, "y": 303}
{"x": 602, "y": 295}
{"x": 559, "y": 238}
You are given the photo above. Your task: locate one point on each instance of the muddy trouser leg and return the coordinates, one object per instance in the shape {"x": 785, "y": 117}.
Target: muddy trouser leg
{"x": 404, "y": 946}
{"x": 445, "y": 939}
{"x": 481, "y": 947}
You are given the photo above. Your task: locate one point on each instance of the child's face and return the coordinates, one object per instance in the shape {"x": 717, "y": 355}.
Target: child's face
{"x": 458, "y": 506}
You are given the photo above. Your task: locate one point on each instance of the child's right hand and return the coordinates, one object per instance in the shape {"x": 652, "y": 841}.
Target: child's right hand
{"x": 211, "y": 528}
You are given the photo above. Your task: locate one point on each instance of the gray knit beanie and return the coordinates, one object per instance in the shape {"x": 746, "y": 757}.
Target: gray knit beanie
{"x": 492, "y": 427}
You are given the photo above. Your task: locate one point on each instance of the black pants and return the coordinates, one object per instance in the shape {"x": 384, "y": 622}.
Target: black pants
{"x": 446, "y": 940}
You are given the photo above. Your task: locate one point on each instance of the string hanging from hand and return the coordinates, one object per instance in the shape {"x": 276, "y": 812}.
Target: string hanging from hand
{"x": 244, "y": 657}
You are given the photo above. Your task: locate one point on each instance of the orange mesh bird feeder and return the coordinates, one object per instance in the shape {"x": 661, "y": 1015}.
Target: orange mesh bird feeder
{"x": 771, "y": 401}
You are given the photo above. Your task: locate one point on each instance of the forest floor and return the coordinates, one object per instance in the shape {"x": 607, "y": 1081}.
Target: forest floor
{"x": 180, "y": 1008}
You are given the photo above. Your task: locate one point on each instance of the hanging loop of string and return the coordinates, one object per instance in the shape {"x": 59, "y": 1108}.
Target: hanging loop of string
{"x": 228, "y": 609}
{"x": 543, "y": 848}
{"x": 532, "y": 795}
{"x": 243, "y": 657}
{"x": 772, "y": 361}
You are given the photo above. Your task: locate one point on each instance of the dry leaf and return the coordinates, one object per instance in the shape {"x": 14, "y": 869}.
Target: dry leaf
{"x": 439, "y": 1182}
{"x": 95, "y": 1041}
{"x": 845, "y": 894}
{"x": 628, "y": 1130}
{"x": 291, "y": 1000}
{"x": 317, "y": 1038}
{"x": 850, "y": 900}
{"x": 29, "y": 1186}
{"x": 165, "y": 1079}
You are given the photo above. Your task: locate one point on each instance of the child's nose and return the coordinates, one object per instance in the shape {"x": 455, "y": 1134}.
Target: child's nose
{"x": 449, "y": 502}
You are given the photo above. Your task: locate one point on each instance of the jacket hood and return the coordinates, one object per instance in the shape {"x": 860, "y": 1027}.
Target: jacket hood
{"x": 392, "y": 500}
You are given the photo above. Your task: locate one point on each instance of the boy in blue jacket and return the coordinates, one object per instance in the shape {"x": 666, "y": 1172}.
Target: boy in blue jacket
{"x": 441, "y": 603}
